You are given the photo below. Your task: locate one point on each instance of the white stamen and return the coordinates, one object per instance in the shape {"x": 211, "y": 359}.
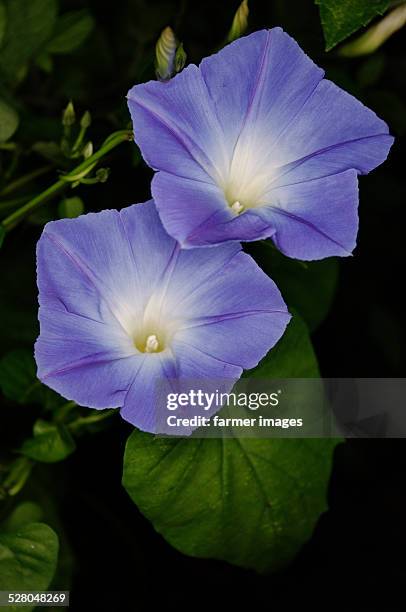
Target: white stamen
{"x": 237, "y": 207}
{"x": 152, "y": 344}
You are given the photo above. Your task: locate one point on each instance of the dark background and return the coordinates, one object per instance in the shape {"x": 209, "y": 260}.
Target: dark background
{"x": 356, "y": 557}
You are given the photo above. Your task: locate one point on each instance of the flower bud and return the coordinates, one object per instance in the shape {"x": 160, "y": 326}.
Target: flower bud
{"x": 86, "y": 120}
{"x": 240, "y": 22}
{"x": 87, "y": 150}
{"x": 68, "y": 116}
{"x": 165, "y": 51}
{"x": 180, "y": 58}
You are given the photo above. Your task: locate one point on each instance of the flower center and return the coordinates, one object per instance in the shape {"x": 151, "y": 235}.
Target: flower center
{"x": 237, "y": 207}
{"x": 152, "y": 344}
{"x": 146, "y": 342}
{"x": 247, "y": 178}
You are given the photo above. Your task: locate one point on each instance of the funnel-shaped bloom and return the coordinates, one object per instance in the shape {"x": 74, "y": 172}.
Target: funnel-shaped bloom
{"x": 254, "y": 143}
{"x": 123, "y": 307}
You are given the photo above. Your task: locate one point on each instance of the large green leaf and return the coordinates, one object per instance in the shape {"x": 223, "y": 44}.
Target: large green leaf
{"x": 8, "y": 121}
{"x": 28, "y": 558}
{"x": 29, "y": 26}
{"x": 340, "y": 18}
{"x": 252, "y": 502}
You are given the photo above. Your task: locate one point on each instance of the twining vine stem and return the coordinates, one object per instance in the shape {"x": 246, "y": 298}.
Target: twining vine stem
{"x": 74, "y": 175}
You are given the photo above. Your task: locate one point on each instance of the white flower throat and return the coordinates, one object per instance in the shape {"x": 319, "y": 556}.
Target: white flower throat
{"x": 248, "y": 176}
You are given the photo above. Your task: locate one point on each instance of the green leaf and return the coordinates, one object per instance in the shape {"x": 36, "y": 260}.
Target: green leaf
{"x": 252, "y": 502}
{"x": 3, "y": 20}
{"x": 71, "y": 31}
{"x": 29, "y": 26}
{"x": 71, "y": 208}
{"x": 18, "y": 380}
{"x": 2, "y": 235}
{"x": 26, "y": 512}
{"x": 292, "y": 357}
{"x": 28, "y": 558}
{"x": 307, "y": 287}
{"x": 8, "y": 121}
{"x": 51, "y": 443}
{"x": 340, "y": 18}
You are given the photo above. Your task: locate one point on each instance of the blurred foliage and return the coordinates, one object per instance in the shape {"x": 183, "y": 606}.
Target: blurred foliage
{"x": 377, "y": 34}
{"x": 65, "y": 68}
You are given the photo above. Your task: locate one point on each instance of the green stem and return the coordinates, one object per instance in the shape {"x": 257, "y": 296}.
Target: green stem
{"x": 63, "y": 411}
{"x": 18, "y": 475}
{"x": 112, "y": 141}
{"x": 8, "y": 146}
{"x": 20, "y": 182}
{"x": 90, "y": 420}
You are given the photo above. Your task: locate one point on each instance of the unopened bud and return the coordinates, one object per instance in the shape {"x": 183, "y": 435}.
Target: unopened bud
{"x": 87, "y": 150}
{"x": 86, "y": 120}
{"x": 68, "y": 116}
{"x": 165, "y": 51}
{"x": 180, "y": 58}
{"x": 240, "y": 22}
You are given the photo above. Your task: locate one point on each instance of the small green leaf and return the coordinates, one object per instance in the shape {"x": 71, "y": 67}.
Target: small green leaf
{"x": 29, "y": 26}
{"x": 71, "y": 31}
{"x": 18, "y": 380}
{"x": 2, "y": 235}
{"x": 252, "y": 502}
{"x": 26, "y": 512}
{"x": 340, "y": 18}
{"x": 51, "y": 443}
{"x": 8, "y": 121}
{"x": 70, "y": 208}
{"x": 28, "y": 558}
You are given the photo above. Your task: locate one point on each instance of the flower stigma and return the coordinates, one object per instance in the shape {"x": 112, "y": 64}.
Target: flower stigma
{"x": 237, "y": 207}
{"x": 152, "y": 344}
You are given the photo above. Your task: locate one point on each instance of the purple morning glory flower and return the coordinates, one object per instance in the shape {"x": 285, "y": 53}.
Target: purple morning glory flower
{"x": 253, "y": 144}
{"x": 122, "y": 306}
